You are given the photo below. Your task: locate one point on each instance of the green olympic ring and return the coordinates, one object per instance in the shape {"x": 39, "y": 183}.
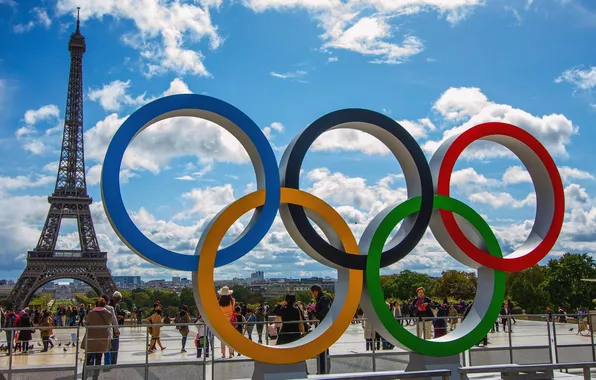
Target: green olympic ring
{"x": 477, "y": 324}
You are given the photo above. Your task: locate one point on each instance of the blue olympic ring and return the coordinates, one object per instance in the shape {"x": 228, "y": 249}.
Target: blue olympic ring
{"x": 227, "y": 116}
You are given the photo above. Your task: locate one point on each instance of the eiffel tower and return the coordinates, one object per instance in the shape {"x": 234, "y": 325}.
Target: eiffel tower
{"x": 70, "y": 200}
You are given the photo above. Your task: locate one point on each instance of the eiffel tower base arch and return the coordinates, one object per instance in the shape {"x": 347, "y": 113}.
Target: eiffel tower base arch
{"x": 92, "y": 271}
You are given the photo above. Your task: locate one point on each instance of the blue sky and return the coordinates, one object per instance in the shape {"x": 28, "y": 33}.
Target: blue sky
{"x": 434, "y": 65}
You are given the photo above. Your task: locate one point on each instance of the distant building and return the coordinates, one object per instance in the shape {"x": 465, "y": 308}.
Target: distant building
{"x": 63, "y": 292}
{"x": 5, "y": 289}
{"x": 176, "y": 281}
{"x": 257, "y": 276}
{"x": 128, "y": 281}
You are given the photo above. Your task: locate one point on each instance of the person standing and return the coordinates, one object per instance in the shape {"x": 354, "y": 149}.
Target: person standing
{"x": 11, "y": 321}
{"x": 260, "y": 319}
{"x": 120, "y": 314}
{"x": 250, "y": 322}
{"x": 421, "y": 309}
{"x": 292, "y": 321}
{"x": 322, "y": 307}
{"x": 182, "y": 321}
{"x": 113, "y": 330}
{"x": 98, "y": 335}
{"x": 82, "y": 314}
{"x": 25, "y": 333}
{"x": 505, "y": 317}
{"x": 228, "y": 306}
{"x": 440, "y": 321}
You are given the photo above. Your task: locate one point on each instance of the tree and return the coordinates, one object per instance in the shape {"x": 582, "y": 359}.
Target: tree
{"x": 457, "y": 284}
{"x": 563, "y": 280}
{"x": 403, "y": 285}
{"x": 528, "y": 289}
{"x": 187, "y": 297}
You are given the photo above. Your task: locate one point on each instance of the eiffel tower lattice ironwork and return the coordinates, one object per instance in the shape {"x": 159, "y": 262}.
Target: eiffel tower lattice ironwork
{"x": 69, "y": 200}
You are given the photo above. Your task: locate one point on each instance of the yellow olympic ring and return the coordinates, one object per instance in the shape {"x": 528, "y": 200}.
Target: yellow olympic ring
{"x": 329, "y": 330}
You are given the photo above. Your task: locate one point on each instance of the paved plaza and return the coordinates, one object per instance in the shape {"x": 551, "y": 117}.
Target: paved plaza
{"x": 529, "y": 338}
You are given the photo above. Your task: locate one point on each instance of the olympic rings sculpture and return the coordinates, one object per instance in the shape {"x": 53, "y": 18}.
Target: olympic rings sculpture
{"x": 460, "y": 230}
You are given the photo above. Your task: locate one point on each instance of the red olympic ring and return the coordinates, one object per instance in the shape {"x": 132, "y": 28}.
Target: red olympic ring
{"x": 520, "y": 260}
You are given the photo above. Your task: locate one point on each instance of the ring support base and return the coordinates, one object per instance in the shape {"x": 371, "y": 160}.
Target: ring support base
{"x": 264, "y": 371}
{"x": 427, "y": 363}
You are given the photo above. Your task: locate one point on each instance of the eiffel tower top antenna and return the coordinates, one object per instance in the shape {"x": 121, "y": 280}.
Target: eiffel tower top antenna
{"x": 78, "y": 19}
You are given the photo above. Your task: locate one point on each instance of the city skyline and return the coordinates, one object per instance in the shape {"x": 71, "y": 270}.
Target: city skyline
{"x": 421, "y": 65}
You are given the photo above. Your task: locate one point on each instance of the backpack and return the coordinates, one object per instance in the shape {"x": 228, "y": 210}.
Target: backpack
{"x": 234, "y": 320}
{"x": 10, "y": 321}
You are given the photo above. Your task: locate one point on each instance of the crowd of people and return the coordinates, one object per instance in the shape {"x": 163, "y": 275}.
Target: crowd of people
{"x": 285, "y": 323}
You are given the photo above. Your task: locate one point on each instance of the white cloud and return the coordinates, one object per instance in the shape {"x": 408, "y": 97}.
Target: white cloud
{"x": 458, "y": 103}
{"x": 554, "y": 131}
{"x": 275, "y": 126}
{"x": 516, "y": 174}
{"x": 367, "y": 36}
{"x": 582, "y": 79}
{"x": 40, "y": 17}
{"x": 332, "y": 59}
{"x": 113, "y": 95}
{"x": 164, "y": 30}
{"x": 468, "y": 181}
{"x": 502, "y": 199}
{"x": 572, "y": 173}
{"x": 419, "y": 129}
{"x": 24, "y": 182}
{"x": 35, "y": 147}
{"x": 44, "y": 113}
{"x": 349, "y": 140}
{"x": 296, "y": 75}
{"x": 207, "y": 201}
{"x": 363, "y": 26}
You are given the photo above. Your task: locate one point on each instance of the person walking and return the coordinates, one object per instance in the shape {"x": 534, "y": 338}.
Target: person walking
{"x": 98, "y": 339}
{"x": 45, "y": 330}
{"x": 421, "y": 309}
{"x": 155, "y": 319}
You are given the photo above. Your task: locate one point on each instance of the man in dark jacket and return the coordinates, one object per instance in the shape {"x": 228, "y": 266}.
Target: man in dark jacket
{"x": 322, "y": 306}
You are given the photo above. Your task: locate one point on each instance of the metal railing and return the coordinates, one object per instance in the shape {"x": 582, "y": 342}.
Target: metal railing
{"x": 561, "y": 342}
{"x": 585, "y": 367}
{"x": 388, "y": 375}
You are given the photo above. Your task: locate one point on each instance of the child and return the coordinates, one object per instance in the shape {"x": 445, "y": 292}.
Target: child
{"x": 202, "y": 340}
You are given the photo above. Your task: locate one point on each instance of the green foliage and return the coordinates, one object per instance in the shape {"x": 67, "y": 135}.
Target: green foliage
{"x": 528, "y": 288}
{"x": 456, "y": 284}
{"x": 563, "y": 280}
{"x": 403, "y": 285}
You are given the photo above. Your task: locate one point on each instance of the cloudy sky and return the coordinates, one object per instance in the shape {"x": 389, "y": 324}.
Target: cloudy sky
{"x": 436, "y": 66}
